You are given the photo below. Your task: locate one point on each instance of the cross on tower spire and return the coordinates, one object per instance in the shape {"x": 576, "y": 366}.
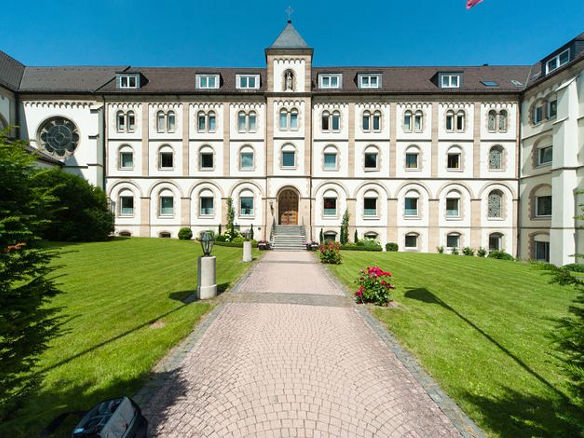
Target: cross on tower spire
{"x": 289, "y": 11}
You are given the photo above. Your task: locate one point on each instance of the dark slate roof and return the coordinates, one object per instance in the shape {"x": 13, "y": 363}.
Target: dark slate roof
{"x": 10, "y": 72}
{"x": 66, "y": 79}
{"x": 289, "y": 39}
{"x": 424, "y": 80}
{"x": 181, "y": 80}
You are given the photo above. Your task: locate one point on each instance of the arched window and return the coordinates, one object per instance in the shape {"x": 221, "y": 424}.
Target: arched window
{"x": 160, "y": 121}
{"x": 412, "y": 158}
{"x": 329, "y": 200}
{"x": 492, "y": 123}
{"x": 288, "y": 156}
{"x": 541, "y": 247}
{"x": 503, "y": 121}
{"x": 252, "y": 122}
{"x": 366, "y": 125}
{"x": 450, "y": 121}
{"x": 453, "y": 204}
{"x": 206, "y": 158}
{"x": 206, "y": 203}
{"x": 418, "y": 121}
{"x": 377, "y": 121}
{"x": 454, "y": 158}
{"x": 166, "y": 203}
{"x": 164, "y": 235}
{"x": 120, "y": 121}
{"x": 453, "y": 240}
{"x": 330, "y": 235}
{"x": 325, "y": 121}
{"x": 330, "y": 158}
{"x": 241, "y": 121}
{"x": 201, "y": 121}
{"x": 126, "y": 158}
{"x": 408, "y": 121}
{"x": 495, "y": 206}
{"x": 411, "y": 240}
{"x": 411, "y": 203}
{"x": 495, "y": 242}
{"x": 371, "y": 235}
{"x": 165, "y": 158}
{"x": 246, "y": 203}
{"x": 211, "y": 121}
{"x": 460, "y": 120}
{"x": 370, "y": 203}
{"x": 371, "y": 158}
{"x": 131, "y": 119}
{"x": 170, "y": 121}
{"x": 283, "y": 119}
{"x": 331, "y": 122}
{"x": 126, "y": 203}
{"x": 246, "y": 158}
{"x": 293, "y": 118}
{"x": 496, "y": 158}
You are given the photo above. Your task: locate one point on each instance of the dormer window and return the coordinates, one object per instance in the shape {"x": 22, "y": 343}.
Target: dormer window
{"x": 369, "y": 81}
{"x": 450, "y": 80}
{"x": 248, "y": 82}
{"x": 329, "y": 81}
{"x": 207, "y": 82}
{"x": 557, "y": 61}
{"x": 127, "y": 81}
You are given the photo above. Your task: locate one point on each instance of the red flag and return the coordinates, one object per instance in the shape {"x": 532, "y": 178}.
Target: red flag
{"x": 471, "y": 3}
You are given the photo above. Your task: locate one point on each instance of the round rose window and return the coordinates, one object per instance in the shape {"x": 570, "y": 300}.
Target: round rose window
{"x": 59, "y": 137}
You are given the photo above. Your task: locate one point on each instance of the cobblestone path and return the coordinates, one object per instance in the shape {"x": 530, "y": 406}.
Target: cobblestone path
{"x": 289, "y": 354}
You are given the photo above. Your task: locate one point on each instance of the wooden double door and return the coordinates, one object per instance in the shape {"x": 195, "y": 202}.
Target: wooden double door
{"x": 288, "y": 207}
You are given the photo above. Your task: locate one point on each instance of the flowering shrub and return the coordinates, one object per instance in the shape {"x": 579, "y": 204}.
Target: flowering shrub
{"x": 374, "y": 286}
{"x": 330, "y": 253}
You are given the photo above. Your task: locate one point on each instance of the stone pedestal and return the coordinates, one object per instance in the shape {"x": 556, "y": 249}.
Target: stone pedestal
{"x": 206, "y": 278}
{"x": 247, "y": 257}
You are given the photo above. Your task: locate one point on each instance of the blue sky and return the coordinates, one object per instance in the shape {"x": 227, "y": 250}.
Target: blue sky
{"x": 234, "y": 33}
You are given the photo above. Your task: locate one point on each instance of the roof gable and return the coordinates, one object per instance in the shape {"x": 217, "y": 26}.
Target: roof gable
{"x": 289, "y": 38}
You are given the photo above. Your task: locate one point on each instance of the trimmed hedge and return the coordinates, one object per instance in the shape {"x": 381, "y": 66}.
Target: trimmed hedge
{"x": 254, "y": 244}
{"x": 353, "y": 247}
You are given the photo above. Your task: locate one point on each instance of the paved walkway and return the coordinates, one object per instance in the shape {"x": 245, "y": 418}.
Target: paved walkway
{"x": 289, "y": 354}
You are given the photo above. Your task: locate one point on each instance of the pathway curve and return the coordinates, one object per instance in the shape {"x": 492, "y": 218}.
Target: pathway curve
{"x": 289, "y": 354}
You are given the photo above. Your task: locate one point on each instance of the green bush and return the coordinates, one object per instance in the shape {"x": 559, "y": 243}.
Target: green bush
{"x": 574, "y": 267}
{"x": 455, "y": 251}
{"x": 254, "y": 244}
{"x": 330, "y": 253}
{"x": 81, "y": 213}
{"x": 440, "y": 249}
{"x": 501, "y": 255}
{"x": 357, "y": 247}
{"x": 391, "y": 246}
{"x": 468, "y": 251}
{"x": 238, "y": 239}
{"x": 185, "y": 233}
{"x": 482, "y": 252}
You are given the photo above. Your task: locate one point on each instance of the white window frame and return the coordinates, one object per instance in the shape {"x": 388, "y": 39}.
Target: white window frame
{"x": 557, "y": 61}
{"x": 364, "y": 80}
{"x": 203, "y": 81}
{"x": 240, "y": 79}
{"x": 540, "y": 153}
{"x": 125, "y": 81}
{"x": 128, "y": 195}
{"x": 330, "y": 76}
{"x": 447, "y": 80}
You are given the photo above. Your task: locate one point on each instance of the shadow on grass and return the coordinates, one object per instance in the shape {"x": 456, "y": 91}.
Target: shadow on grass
{"x": 526, "y": 415}
{"x": 83, "y": 397}
{"x": 189, "y": 296}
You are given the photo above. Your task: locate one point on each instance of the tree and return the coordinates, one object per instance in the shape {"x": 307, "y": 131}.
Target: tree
{"x": 321, "y": 236}
{"x": 345, "y": 228}
{"x": 82, "y": 214}
{"x": 230, "y": 217}
{"x": 26, "y": 323}
{"x": 356, "y": 236}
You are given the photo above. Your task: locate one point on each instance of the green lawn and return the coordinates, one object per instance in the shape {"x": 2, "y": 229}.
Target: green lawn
{"x": 483, "y": 328}
{"x": 121, "y": 311}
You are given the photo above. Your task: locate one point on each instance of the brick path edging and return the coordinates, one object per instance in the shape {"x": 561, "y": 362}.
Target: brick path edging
{"x": 461, "y": 421}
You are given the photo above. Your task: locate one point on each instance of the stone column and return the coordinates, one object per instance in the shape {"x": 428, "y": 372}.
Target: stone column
{"x": 433, "y": 224}
{"x": 206, "y": 278}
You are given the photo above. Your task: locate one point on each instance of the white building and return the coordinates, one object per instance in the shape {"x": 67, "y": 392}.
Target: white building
{"x": 421, "y": 156}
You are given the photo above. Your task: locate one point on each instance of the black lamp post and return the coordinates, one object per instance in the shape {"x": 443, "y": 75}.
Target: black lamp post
{"x": 207, "y": 239}
{"x": 247, "y": 234}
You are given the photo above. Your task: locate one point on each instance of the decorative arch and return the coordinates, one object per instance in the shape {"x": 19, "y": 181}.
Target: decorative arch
{"x": 194, "y": 187}
{"x": 461, "y": 186}
{"x": 341, "y": 186}
{"x": 369, "y": 185}
{"x": 155, "y": 186}
{"x": 135, "y": 186}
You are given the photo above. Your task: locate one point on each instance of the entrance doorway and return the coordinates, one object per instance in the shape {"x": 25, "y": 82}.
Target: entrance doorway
{"x": 288, "y": 207}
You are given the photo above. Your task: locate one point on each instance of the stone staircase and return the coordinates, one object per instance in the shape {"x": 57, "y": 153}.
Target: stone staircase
{"x": 288, "y": 237}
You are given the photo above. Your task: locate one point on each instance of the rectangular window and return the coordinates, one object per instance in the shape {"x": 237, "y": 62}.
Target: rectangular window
{"x": 246, "y": 206}
{"x": 207, "y": 82}
{"x": 369, "y": 81}
{"x": 452, "y": 241}
{"x": 450, "y": 80}
{"x": 247, "y": 160}
{"x": 411, "y": 161}
{"x": 541, "y": 251}
{"x": 248, "y": 82}
{"x": 126, "y": 205}
{"x": 166, "y": 205}
{"x": 411, "y": 241}
{"x": 206, "y": 206}
{"x": 329, "y": 81}
{"x": 452, "y": 207}
{"x": 288, "y": 159}
{"x": 330, "y": 160}
{"x": 330, "y": 206}
{"x": 545, "y": 155}
{"x": 126, "y": 160}
{"x": 543, "y": 206}
{"x": 537, "y": 114}
{"x": 557, "y": 61}
{"x": 552, "y": 110}
{"x": 454, "y": 161}
{"x": 411, "y": 207}
{"x": 129, "y": 81}
{"x": 166, "y": 160}
{"x": 370, "y": 160}
{"x": 207, "y": 160}
{"x": 370, "y": 206}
